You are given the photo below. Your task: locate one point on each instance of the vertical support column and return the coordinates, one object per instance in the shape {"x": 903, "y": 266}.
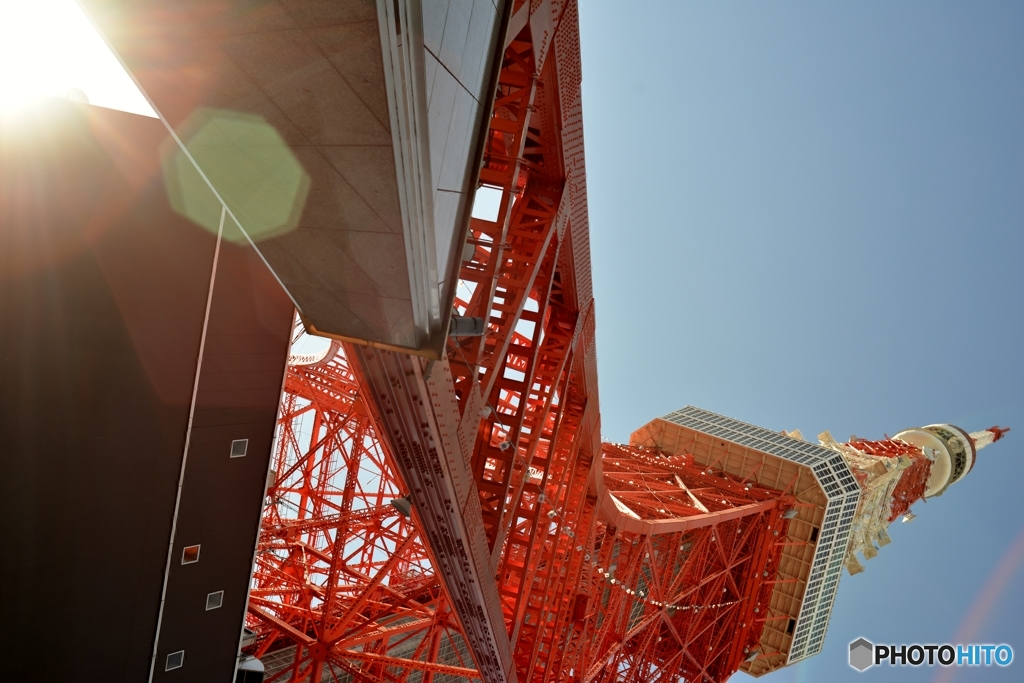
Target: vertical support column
{"x": 421, "y": 431}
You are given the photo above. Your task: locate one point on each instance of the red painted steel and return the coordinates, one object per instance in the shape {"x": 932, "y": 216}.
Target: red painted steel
{"x": 687, "y": 604}
{"x": 501, "y": 439}
{"x": 911, "y": 486}
{"x": 886, "y": 448}
{"x": 586, "y": 600}
{"x": 998, "y": 432}
{"x": 342, "y": 577}
{"x": 914, "y": 480}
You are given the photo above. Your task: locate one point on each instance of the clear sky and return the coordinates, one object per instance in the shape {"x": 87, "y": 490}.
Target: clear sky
{"x": 803, "y": 215}
{"x": 811, "y": 215}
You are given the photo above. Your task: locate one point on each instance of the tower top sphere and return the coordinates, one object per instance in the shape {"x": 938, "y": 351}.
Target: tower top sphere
{"x": 952, "y": 450}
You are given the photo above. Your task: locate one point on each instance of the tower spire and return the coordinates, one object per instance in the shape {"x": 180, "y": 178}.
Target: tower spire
{"x": 987, "y": 436}
{"x": 896, "y": 472}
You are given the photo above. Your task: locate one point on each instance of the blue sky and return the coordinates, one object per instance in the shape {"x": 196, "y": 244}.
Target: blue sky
{"x": 809, "y": 215}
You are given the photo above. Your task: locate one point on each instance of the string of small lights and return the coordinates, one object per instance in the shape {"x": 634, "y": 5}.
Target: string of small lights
{"x": 553, "y": 513}
{"x": 639, "y": 595}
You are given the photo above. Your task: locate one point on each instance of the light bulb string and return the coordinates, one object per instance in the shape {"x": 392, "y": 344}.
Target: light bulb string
{"x": 642, "y": 597}
{"x": 563, "y": 523}
{"x": 638, "y": 595}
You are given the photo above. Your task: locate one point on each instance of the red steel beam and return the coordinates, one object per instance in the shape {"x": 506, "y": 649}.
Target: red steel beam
{"x": 341, "y": 573}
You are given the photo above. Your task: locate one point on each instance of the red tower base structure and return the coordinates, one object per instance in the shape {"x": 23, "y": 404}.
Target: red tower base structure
{"x": 528, "y": 554}
{"x": 672, "y": 581}
{"x": 344, "y": 586}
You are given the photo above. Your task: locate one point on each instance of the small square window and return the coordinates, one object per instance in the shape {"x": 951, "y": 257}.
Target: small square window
{"x": 214, "y": 600}
{"x": 190, "y": 554}
{"x": 238, "y": 448}
{"x": 175, "y": 660}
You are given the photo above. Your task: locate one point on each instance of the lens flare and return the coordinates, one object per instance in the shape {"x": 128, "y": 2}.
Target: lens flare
{"x": 49, "y": 48}
{"x": 983, "y": 603}
{"x": 252, "y": 168}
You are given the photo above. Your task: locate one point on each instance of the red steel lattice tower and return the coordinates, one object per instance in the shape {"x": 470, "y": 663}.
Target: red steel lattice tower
{"x": 342, "y": 578}
{"x": 460, "y": 518}
{"x": 684, "y": 570}
{"x": 674, "y": 579}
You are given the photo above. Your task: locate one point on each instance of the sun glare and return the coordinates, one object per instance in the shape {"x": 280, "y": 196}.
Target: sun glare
{"x": 50, "y": 48}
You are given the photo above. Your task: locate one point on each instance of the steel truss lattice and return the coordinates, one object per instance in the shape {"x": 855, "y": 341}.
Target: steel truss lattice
{"x": 496, "y": 446}
{"x": 343, "y": 582}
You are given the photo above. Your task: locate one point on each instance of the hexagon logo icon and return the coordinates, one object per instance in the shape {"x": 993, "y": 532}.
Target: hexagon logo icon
{"x": 861, "y": 654}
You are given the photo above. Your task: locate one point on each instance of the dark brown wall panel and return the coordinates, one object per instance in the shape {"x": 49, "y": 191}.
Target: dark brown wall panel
{"x": 238, "y": 397}
{"x": 103, "y": 291}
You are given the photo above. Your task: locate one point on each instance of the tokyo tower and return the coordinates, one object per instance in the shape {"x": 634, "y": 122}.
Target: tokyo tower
{"x": 708, "y": 546}
{"x": 424, "y": 497}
